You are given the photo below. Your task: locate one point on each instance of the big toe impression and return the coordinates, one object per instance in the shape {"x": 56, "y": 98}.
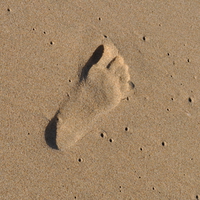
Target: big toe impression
{"x": 109, "y": 53}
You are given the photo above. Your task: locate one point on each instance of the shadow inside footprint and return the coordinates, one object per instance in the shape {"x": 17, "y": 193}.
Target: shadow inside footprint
{"x": 50, "y": 132}
{"x": 96, "y": 56}
{"x": 51, "y": 129}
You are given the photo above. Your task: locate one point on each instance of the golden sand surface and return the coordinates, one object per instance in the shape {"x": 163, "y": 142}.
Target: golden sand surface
{"x": 100, "y": 100}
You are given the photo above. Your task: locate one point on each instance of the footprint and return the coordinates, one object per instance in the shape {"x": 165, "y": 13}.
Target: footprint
{"x": 104, "y": 80}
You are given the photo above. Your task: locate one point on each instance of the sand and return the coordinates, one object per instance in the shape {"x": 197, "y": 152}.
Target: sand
{"x": 100, "y": 100}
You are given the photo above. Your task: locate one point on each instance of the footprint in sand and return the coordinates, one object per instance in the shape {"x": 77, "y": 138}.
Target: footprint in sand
{"x": 103, "y": 83}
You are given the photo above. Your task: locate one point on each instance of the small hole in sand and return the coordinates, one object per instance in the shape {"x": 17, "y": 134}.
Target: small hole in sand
{"x": 197, "y": 197}
{"x": 168, "y": 109}
{"x": 70, "y": 80}
{"x": 172, "y": 99}
{"x": 111, "y": 140}
{"x": 33, "y": 29}
{"x": 168, "y": 54}
{"x": 126, "y": 129}
{"x": 75, "y": 197}
{"x": 153, "y": 188}
{"x": 105, "y": 36}
{"x": 141, "y": 149}
{"x": 144, "y": 38}
{"x": 80, "y": 160}
{"x": 103, "y": 134}
{"x": 28, "y": 133}
{"x": 163, "y": 144}
{"x": 131, "y": 85}
{"x": 44, "y": 32}
{"x": 139, "y": 176}
{"x": 127, "y": 98}
{"x": 8, "y": 10}
{"x": 100, "y": 18}
{"x": 190, "y": 99}
{"x": 188, "y": 60}
{"x": 51, "y": 43}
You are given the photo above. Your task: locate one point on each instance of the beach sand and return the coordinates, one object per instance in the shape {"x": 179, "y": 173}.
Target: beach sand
{"x": 100, "y": 100}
